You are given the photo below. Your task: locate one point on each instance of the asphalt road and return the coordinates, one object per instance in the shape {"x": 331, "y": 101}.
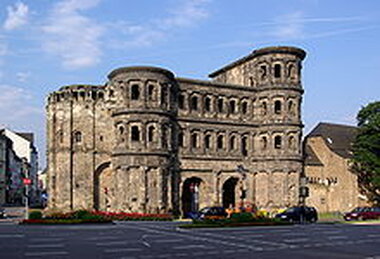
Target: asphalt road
{"x": 148, "y": 240}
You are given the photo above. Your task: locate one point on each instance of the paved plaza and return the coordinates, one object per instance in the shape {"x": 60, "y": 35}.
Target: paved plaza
{"x": 147, "y": 240}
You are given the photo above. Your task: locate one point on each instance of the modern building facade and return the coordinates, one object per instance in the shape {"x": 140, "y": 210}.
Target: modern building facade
{"x": 148, "y": 141}
{"x": 333, "y": 186}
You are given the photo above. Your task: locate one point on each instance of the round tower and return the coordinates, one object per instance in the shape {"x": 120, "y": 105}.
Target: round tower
{"x": 277, "y": 78}
{"x": 144, "y": 155}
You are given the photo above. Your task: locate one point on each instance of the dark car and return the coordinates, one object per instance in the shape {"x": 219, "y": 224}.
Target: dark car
{"x": 209, "y": 213}
{"x": 299, "y": 214}
{"x": 363, "y": 213}
{"x": 2, "y": 213}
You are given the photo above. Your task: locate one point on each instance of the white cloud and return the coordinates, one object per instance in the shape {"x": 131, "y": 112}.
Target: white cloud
{"x": 15, "y": 104}
{"x": 72, "y": 36}
{"x": 187, "y": 13}
{"x": 17, "y": 16}
{"x": 23, "y": 76}
{"x": 290, "y": 26}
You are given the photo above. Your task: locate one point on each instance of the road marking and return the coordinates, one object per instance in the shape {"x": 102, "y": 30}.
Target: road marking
{"x": 41, "y": 240}
{"x": 337, "y": 237}
{"x": 167, "y": 241}
{"x": 102, "y": 238}
{"x": 191, "y": 247}
{"x": 46, "y": 246}
{"x": 117, "y": 250}
{"x": 112, "y": 243}
{"x": 296, "y": 240}
{"x": 46, "y": 253}
{"x": 11, "y": 236}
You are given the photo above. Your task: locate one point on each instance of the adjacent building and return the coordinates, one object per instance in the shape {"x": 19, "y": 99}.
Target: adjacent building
{"x": 18, "y": 160}
{"x": 333, "y": 186}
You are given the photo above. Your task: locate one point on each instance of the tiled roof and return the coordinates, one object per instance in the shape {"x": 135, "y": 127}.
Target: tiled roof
{"x": 338, "y": 138}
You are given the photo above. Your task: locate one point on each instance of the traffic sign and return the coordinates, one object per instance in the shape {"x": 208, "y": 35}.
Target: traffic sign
{"x": 27, "y": 181}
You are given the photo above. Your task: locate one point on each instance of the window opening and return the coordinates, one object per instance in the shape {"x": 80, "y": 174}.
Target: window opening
{"x": 277, "y": 71}
{"x": 135, "y": 133}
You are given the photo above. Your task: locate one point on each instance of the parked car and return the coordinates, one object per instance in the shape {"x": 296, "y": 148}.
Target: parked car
{"x": 299, "y": 214}
{"x": 209, "y": 213}
{"x": 363, "y": 213}
{"x": 2, "y": 213}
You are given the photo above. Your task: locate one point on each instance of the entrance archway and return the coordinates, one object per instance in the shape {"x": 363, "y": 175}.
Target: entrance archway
{"x": 100, "y": 188}
{"x": 190, "y": 195}
{"x": 229, "y": 191}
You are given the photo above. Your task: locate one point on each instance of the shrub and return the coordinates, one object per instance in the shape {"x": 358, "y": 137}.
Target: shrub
{"x": 242, "y": 217}
{"x": 35, "y": 215}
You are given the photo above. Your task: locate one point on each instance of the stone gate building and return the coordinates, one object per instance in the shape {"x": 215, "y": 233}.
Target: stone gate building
{"x": 148, "y": 141}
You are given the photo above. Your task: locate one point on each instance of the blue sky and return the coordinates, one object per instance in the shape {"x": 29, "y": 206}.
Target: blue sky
{"x": 45, "y": 44}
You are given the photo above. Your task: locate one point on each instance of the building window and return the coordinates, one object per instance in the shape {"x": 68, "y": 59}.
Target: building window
{"x": 220, "y": 142}
{"x": 194, "y": 103}
{"x": 232, "y": 143}
{"x": 291, "y": 107}
{"x": 244, "y": 107}
{"x": 264, "y": 108}
{"x": 263, "y": 72}
{"x": 77, "y": 137}
{"x": 277, "y": 71}
{"x": 135, "y": 133}
{"x": 150, "y": 92}
{"x": 264, "y": 143}
{"x": 207, "y": 104}
{"x": 135, "y": 92}
{"x": 180, "y": 139}
{"x": 291, "y": 143}
{"x": 232, "y": 106}
{"x": 277, "y": 142}
{"x": 181, "y": 101}
{"x": 194, "y": 140}
{"x": 150, "y": 133}
{"x": 220, "y": 105}
{"x": 277, "y": 107}
{"x": 207, "y": 141}
{"x": 244, "y": 149}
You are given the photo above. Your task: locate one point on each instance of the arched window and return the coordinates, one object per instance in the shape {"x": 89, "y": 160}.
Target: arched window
{"x": 207, "y": 104}
{"x": 232, "y": 143}
{"x": 150, "y": 92}
{"x": 220, "y": 105}
{"x": 121, "y": 130}
{"x": 277, "y": 70}
{"x": 181, "y": 101}
{"x": 277, "y": 107}
{"x": 252, "y": 81}
{"x": 180, "y": 139}
{"x": 60, "y": 136}
{"x": 232, "y": 106}
{"x": 207, "y": 141}
{"x": 244, "y": 107}
{"x": 77, "y": 137}
{"x": 244, "y": 149}
{"x": 164, "y": 137}
{"x": 194, "y": 103}
{"x": 220, "y": 142}
{"x": 194, "y": 140}
{"x": 135, "y": 133}
{"x": 151, "y": 133}
{"x": 264, "y": 143}
{"x": 263, "y": 72}
{"x": 291, "y": 71}
{"x": 263, "y": 108}
{"x": 135, "y": 92}
{"x": 277, "y": 142}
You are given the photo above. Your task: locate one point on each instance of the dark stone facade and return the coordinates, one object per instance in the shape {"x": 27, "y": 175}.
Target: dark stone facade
{"x": 148, "y": 141}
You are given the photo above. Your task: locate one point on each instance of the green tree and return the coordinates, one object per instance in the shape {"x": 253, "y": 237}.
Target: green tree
{"x": 366, "y": 151}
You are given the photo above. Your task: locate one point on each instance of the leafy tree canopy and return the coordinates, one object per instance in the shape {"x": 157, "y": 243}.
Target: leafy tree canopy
{"x": 366, "y": 150}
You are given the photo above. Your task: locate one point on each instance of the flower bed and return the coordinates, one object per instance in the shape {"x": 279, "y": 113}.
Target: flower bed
{"x": 86, "y": 217}
{"x": 236, "y": 220}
